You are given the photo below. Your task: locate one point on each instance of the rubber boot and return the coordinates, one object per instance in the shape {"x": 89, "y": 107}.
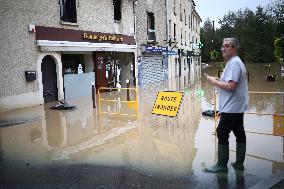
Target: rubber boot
{"x": 223, "y": 158}
{"x": 240, "y": 156}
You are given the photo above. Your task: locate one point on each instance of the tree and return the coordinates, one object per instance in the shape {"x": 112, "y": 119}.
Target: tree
{"x": 279, "y": 49}
{"x": 214, "y": 56}
{"x": 256, "y": 32}
{"x": 206, "y": 39}
{"x": 276, "y": 10}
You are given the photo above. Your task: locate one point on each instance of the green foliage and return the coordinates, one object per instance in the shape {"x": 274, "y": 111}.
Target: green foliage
{"x": 214, "y": 55}
{"x": 200, "y": 45}
{"x": 256, "y": 32}
{"x": 279, "y": 49}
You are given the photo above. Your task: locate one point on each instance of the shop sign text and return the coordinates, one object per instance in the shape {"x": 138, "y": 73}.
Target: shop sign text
{"x": 103, "y": 37}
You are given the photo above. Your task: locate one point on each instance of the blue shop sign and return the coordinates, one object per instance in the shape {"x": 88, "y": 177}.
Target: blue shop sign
{"x": 169, "y": 53}
{"x": 156, "y": 49}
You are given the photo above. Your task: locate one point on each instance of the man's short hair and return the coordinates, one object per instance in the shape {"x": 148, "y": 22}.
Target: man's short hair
{"x": 234, "y": 42}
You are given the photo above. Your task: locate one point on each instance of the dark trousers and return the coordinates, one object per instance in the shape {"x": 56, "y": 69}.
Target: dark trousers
{"x": 231, "y": 122}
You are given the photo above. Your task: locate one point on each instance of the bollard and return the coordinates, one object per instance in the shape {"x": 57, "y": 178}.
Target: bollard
{"x": 127, "y": 91}
{"x": 93, "y": 94}
{"x": 64, "y": 92}
{"x": 248, "y": 76}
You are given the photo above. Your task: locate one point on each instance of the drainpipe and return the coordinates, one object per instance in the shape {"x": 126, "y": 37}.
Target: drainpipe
{"x": 166, "y": 5}
{"x": 135, "y": 52}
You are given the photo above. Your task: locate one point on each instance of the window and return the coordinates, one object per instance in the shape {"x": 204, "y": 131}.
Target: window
{"x": 180, "y": 12}
{"x": 117, "y": 10}
{"x": 191, "y": 22}
{"x": 151, "y": 26}
{"x": 170, "y": 27}
{"x": 68, "y": 11}
{"x": 181, "y": 36}
{"x": 185, "y": 38}
{"x": 175, "y": 7}
{"x": 184, "y": 16}
{"x": 188, "y": 21}
{"x": 175, "y": 33}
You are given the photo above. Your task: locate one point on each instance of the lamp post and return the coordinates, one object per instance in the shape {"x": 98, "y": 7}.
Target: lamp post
{"x": 213, "y": 31}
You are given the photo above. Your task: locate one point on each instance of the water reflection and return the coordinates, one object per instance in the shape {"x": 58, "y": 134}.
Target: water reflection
{"x": 154, "y": 145}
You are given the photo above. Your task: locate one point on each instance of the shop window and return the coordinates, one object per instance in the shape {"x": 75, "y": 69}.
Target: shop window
{"x": 71, "y": 62}
{"x": 68, "y": 11}
{"x": 151, "y": 27}
{"x": 117, "y": 10}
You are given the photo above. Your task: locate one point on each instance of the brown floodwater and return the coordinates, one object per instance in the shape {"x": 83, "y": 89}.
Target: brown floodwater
{"x": 38, "y": 142}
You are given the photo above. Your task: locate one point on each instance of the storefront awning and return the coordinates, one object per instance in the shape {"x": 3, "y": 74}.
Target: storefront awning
{"x": 46, "y": 45}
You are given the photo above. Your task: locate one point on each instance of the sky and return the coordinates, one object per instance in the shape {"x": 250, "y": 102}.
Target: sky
{"x": 216, "y": 9}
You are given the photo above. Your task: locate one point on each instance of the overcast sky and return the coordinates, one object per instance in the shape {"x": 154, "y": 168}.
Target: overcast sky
{"x": 215, "y": 9}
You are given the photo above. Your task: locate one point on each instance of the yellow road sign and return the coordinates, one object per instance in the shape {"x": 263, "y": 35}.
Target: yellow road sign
{"x": 167, "y": 103}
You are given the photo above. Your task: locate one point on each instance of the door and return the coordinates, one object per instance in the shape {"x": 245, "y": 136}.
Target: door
{"x": 49, "y": 79}
{"x": 152, "y": 70}
{"x": 100, "y": 70}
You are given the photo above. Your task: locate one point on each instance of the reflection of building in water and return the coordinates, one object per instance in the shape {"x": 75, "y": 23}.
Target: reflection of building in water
{"x": 278, "y": 125}
{"x": 159, "y": 145}
{"x": 167, "y": 144}
{"x": 278, "y": 128}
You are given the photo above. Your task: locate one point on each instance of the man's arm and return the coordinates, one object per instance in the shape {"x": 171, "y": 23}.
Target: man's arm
{"x": 230, "y": 85}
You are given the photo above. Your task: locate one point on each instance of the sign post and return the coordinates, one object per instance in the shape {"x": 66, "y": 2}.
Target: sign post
{"x": 167, "y": 103}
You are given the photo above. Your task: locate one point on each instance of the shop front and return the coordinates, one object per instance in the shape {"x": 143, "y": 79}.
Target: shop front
{"x": 154, "y": 66}
{"x": 66, "y": 55}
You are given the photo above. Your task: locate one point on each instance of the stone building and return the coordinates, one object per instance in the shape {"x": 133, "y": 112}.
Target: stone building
{"x": 47, "y": 44}
{"x": 167, "y": 34}
{"x": 54, "y": 50}
{"x": 183, "y": 35}
{"x": 150, "y": 36}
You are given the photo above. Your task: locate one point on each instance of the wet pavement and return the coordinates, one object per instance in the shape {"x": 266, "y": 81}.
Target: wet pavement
{"x": 121, "y": 144}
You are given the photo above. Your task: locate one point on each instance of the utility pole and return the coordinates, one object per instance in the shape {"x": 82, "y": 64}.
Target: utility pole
{"x": 213, "y": 31}
{"x": 213, "y": 46}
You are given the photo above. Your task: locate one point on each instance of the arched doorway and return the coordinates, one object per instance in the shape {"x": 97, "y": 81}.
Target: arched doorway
{"x": 49, "y": 79}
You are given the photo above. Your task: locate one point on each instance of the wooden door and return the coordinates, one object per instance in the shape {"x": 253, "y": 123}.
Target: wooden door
{"x": 100, "y": 69}
{"x": 49, "y": 79}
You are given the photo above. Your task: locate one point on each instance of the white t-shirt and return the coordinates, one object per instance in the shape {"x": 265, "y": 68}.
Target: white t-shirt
{"x": 235, "y": 101}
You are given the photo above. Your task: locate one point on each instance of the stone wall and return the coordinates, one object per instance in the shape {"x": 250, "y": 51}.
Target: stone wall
{"x": 18, "y": 50}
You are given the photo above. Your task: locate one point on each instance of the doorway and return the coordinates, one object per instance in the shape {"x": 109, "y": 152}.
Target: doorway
{"x": 49, "y": 79}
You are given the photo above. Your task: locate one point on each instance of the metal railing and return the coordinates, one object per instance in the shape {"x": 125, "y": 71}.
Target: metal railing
{"x": 256, "y": 113}
{"x": 131, "y": 104}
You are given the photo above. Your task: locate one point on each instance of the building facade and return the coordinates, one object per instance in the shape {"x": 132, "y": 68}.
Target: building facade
{"x": 167, "y": 34}
{"x": 51, "y": 49}
{"x": 150, "y": 36}
{"x": 183, "y": 26}
{"x": 50, "y": 40}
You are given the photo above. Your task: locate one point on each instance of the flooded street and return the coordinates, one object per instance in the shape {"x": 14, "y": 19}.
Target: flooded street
{"x": 122, "y": 144}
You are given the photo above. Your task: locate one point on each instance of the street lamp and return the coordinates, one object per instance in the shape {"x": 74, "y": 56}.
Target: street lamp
{"x": 213, "y": 31}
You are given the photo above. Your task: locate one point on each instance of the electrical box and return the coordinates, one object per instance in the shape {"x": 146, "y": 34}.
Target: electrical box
{"x": 30, "y": 75}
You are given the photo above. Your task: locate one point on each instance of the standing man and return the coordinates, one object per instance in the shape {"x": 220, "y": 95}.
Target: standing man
{"x": 233, "y": 101}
